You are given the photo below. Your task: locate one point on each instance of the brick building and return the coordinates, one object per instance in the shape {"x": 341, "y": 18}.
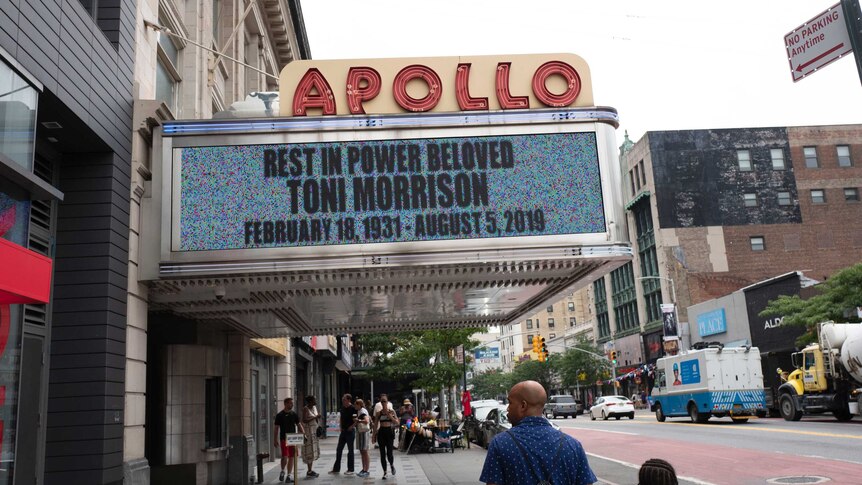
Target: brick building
{"x": 560, "y": 323}
{"x": 712, "y": 211}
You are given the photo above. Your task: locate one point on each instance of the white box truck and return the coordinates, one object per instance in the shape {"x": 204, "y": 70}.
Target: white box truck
{"x": 714, "y": 381}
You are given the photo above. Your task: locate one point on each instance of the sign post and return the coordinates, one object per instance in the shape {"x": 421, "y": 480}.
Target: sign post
{"x": 294, "y": 440}
{"x": 853, "y": 18}
{"x": 818, "y": 42}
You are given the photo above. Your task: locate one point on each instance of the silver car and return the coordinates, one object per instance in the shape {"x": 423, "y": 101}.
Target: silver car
{"x": 562, "y": 405}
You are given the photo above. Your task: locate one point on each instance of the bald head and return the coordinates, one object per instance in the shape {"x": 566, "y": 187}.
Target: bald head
{"x": 526, "y": 398}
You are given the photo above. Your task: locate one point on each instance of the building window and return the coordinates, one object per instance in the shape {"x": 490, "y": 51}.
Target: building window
{"x": 750, "y": 199}
{"x": 168, "y": 68}
{"x": 784, "y": 198}
{"x": 217, "y": 4}
{"x": 818, "y": 196}
{"x": 529, "y": 324}
{"x": 844, "y": 156}
{"x": 551, "y": 309}
{"x": 777, "y": 155}
{"x": 602, "y": 317}
{"x": 571, "y": 306}
{"x": 572, "y": 321}
{"x": 744, "y": 159}
{"x": 553, "y": 335}
{"x": 643, "y": 173}
{"x": 810, "y": 157}
{"x": 213, "y": 414}
{"x": 758, "y": 243}
{"x": 851, "y": 194}
{"x": 529, "y": 340}
{"x": 537, "y": 323}
{"x": 550, "y": 323}
{"x": 624, "y": 298}
{"x": 632, "y": 180}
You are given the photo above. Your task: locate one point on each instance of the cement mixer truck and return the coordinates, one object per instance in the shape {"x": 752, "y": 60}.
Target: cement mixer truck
{"x": 828, "y": 375}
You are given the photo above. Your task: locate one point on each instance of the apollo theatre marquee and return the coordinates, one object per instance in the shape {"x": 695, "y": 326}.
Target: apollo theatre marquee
{"x": 390, "y": 194}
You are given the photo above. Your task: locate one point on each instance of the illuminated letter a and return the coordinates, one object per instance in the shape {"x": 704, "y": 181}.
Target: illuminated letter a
{"x": 304, "y": 98}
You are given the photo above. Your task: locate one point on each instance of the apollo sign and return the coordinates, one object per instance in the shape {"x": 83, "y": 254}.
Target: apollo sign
{"x": 440, "y": 84}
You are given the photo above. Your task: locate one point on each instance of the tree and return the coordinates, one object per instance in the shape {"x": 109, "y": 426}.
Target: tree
{"x": 839, "y": 296}
{"x": 542, "y": 372}
{"x": 581, "y": 360}
{"x": 491, "y": 384}
{"x": 428, "y": 357}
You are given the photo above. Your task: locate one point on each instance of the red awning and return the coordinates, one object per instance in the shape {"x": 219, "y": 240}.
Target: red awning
{"x": 25, "y": 276}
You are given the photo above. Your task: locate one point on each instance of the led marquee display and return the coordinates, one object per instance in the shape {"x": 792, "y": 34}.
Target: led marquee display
{"x": 359, "y": 192}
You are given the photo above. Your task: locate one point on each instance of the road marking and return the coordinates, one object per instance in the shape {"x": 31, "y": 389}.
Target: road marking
{"x": 758, "y": 428}
{"x": 833, "y": 459}
{"x": 602, "y": 430}
{"x": 637, "y": 467}
{"x": 603, "y": 481}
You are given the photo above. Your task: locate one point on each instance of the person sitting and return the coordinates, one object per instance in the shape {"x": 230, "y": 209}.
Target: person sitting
{"x": 656, "y": 471}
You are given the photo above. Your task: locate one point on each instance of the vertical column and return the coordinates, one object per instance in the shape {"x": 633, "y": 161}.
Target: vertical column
{"x": 136, "y": 470}
{"x": 88, "y": 344}
{"x": 239, "y": 408}
{"x": 284, "y": 375}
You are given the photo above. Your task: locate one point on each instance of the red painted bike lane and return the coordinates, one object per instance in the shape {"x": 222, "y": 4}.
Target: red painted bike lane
{"x": 720, "y": 465}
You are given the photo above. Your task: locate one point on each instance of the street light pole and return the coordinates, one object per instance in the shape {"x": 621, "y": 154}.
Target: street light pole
{"x": 673, "y": 297}
{"x": 672, "y": 286}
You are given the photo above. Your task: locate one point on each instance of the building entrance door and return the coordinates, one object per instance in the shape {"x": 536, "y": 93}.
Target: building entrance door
{"x": 261, "y": 414}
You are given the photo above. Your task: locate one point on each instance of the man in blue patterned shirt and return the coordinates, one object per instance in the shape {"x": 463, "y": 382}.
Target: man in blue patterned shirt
{"x": 533, "y": 451}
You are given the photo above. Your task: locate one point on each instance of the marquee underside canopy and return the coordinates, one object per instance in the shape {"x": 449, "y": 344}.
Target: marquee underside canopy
{"x": 395, "y": 298}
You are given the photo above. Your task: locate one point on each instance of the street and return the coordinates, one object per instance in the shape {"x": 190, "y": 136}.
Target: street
{"x": 719, "y": 452}
{"x": 723, "y": 452}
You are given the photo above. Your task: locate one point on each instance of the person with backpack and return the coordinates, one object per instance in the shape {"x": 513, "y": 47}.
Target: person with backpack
{"x": 533, "y": 452}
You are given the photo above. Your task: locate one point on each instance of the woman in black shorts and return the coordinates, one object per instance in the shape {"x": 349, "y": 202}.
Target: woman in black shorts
{"x": 385, "y": 433}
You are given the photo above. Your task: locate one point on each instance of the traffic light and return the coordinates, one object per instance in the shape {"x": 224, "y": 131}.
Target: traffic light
{"x": 536, "y": 344}
{"x": 544, "y": 351}
{"x": 614, "y": 357}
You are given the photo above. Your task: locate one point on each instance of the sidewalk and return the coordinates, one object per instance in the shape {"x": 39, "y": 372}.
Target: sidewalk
{"x": 459, "y": 468}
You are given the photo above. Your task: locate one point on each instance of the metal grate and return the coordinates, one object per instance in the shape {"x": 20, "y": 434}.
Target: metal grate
{"x": 799, "y": 479}
{"x": 42, "y": 222}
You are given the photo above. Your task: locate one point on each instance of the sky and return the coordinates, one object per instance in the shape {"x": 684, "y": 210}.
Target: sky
{"x": 664, "y": 65}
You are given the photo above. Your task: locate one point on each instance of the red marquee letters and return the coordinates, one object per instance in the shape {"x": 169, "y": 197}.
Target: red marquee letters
{"x": 364, "y": 84}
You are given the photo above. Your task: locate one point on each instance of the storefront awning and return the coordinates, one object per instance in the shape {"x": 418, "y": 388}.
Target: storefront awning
{"x": 26, "y": 275}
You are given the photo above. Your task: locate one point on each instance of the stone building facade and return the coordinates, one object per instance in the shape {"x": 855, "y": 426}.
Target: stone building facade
{"x": 713, "y": 211}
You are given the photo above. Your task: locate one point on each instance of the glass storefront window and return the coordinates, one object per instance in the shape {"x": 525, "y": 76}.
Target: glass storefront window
{"x": 17, "y": 117}
{"x": 14, "y": 219}
{"x": 10, "y": 355}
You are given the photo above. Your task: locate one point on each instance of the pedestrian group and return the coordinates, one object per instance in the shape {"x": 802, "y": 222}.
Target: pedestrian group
{"x": 531, "y": 452}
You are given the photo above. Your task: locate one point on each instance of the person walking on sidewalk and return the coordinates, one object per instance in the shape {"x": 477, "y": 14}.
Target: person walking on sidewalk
{"x": 286, "y": 421}
{"x": 346, "y": 437}
{"x": 384, "y": 433}
{"x": 311, "y": 447}
{"x": 533, "y": 451}
{"x": 363, "y": 435}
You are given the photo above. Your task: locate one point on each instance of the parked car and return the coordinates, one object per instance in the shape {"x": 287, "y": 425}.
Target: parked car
{"x": 472, "y": 425}
{"x": 496, "y": 422}
{"x": 562, "y": 405}
{"x": 612, "y": 406}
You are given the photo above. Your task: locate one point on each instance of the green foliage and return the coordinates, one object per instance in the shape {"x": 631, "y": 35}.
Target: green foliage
{"x": 490, "y": 384}
{"x": 581, "y": 360}
{"x": 428, "y": 356}
{"x": 837, "y": 299}
{"x": 532, "y": 370}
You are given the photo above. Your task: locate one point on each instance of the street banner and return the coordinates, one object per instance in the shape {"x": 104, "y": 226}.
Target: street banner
{"x": 668, "y": 313}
